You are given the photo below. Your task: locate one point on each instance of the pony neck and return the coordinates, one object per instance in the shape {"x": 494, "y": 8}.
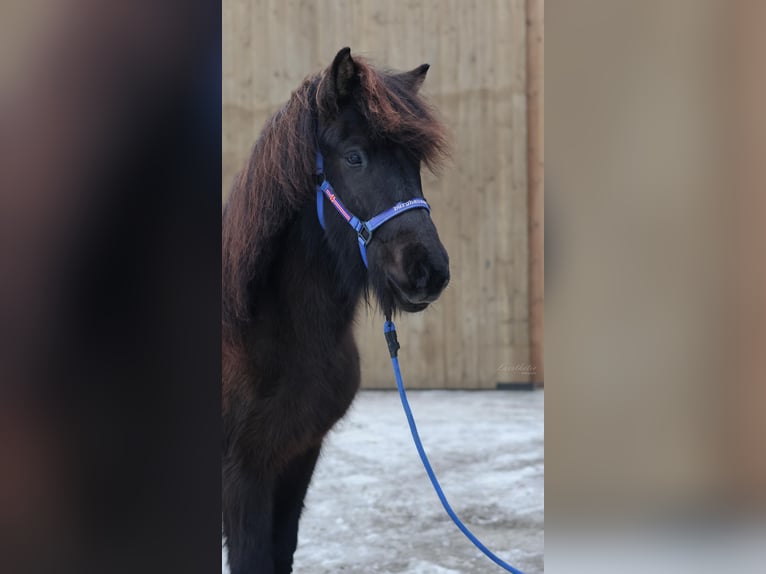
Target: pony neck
{"x": 320, "y": 273}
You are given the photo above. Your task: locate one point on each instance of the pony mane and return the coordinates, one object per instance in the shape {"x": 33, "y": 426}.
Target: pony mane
{"x": 278, "y": 178}
{"x": 395, "y": 113}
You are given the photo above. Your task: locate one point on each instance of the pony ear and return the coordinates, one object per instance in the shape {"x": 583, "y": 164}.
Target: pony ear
{"x": 414, "y": 78}
{"x": 339, "y": 79}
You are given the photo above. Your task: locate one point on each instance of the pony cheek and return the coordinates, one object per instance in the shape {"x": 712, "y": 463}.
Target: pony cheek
{"x": 382, "y": 264}
{"x": 381, "y": 259}
{"x": 396, "y": 269}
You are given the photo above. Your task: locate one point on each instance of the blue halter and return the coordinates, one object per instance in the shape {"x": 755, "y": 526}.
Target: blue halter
{"x": 364, "y": 229}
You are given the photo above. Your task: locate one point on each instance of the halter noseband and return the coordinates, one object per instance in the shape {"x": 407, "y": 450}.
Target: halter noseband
{"x": 363, "y": 229}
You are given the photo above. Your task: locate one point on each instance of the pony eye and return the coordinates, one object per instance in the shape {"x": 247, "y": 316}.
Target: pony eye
{"x": 354, "y": 159}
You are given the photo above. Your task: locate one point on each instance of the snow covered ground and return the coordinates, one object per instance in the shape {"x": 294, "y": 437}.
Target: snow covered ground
{"x": 371, "y": 509}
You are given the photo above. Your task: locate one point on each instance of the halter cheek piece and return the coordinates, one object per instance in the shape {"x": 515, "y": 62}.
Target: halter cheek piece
{"x": 364, "y": 229}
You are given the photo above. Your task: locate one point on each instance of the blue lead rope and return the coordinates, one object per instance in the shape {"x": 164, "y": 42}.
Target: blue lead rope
{"x": 389, "y": 329}
{"x": 364, "y": 231}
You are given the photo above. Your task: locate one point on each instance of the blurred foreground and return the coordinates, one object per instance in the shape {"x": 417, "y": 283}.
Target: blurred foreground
{"x": 656, "y": 287}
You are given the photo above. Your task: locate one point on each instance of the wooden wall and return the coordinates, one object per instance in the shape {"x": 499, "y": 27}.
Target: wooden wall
{"x": 477, "y": 334}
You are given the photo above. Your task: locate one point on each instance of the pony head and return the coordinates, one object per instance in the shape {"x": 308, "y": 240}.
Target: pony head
{"x": 376, "y": 132}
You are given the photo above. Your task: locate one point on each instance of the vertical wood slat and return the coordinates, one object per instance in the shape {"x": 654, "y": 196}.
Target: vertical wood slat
{"x": 477, "y": 51}
{"x": 535, "y": 162}
{"x": 504, "y": 134}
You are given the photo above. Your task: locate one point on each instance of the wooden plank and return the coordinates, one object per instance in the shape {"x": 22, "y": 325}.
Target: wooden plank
{"x": 301, "y": 42}
{"x": 485, "y": 62}
{"x": 236, "y": 83}
{"x": 510, "y": 260}
{"x": 446, "y": 72}
{"x": 466, "y": 146}
{"x": 535, "y": 174}
{"x": 426, "y": 45}
{"x": 273, "y": 63}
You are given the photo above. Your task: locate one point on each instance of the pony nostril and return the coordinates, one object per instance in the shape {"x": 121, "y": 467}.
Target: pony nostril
{"x": 418, "y": 276}
{"x": 425, "y": 274}
{"x": 440, "y": 278}
{"x": 415, "y": 259}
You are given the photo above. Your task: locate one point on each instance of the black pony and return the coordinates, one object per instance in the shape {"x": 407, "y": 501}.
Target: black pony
{"x": 290, "y": 288}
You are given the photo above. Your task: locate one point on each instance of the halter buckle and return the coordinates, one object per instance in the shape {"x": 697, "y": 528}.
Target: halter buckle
{"x": 365, "y": 230}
